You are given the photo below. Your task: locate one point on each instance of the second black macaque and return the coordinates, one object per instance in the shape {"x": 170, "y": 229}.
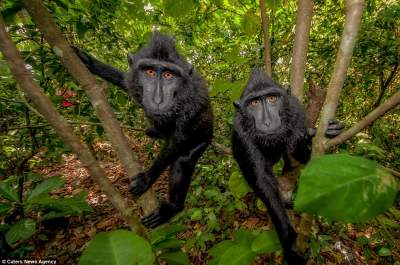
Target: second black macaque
{"x": 175, "y": 100}
{"x": 269, "y": 123}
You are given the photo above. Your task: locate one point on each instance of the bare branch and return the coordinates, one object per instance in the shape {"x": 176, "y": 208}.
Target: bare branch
{"x": 392, "y": 102}
{"x": 384, "y": 84}
{"x": 299, "y": 57}
{"x": 44, "y": 106}
{"x": 267, "y": 42}
{"x": 354, "y": 9}
{"x": 69, "y": 59}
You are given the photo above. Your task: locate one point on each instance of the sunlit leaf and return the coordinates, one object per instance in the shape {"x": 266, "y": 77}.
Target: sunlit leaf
{"x": 266, "y": 242}
{"x": 238, "y": 185}
{"x": 345, "y": 188}
{"x": 119, "y": 247}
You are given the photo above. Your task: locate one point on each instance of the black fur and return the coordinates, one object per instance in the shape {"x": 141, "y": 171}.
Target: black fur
{"x": 186, "y": 127}
{"x": 256, "y": 153}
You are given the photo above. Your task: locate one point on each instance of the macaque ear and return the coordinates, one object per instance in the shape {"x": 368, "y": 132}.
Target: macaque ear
{"x": 130, "y": 59}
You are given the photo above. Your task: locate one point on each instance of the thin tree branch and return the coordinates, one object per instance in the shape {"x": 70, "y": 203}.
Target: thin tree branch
{"x": 45, "y": 107}
{"x": 299, "y": 57}
{"x": 354, "y": 9}
{"x": 267, "y": 42}
{"x": 70, "y": 60}
{"x": 392, "y": 102}
{"x": 385, "y": 84}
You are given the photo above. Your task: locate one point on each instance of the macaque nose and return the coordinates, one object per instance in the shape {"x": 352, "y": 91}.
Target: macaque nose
{"x": 158, "y": 95}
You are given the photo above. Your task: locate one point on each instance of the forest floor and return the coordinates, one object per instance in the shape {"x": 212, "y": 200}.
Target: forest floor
{"x": 64, "y": 240}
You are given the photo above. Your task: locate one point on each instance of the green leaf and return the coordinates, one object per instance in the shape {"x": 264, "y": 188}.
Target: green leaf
{"x": 238, "y": 185}
{"x": 74, "y": 206}
{"x": 4, "y": 208}
{"x": 345, "y": 188}
{"x": 20, "y": 231}
{"x": 384, "y": 251}
{"x": 8, "y": 192}
{"x": 120, "y": 247}
{"x": 237, "y": 255}
{"x": 169, "y": 243}
{"x": 175, "y": 258}
{"x": 260, "y": 205}
{"x": 177, "y": 8}
{"x": 251, "y": 23}
{"x": 163, "y": 232}
{"x": 245, "y": 237}
{"x": 220, "y": 248}
{"x": 81, "y": 29}
{"x": 266, "y": 242}
{"x": 45, "y": 187}
{"x": 197, "y": 215}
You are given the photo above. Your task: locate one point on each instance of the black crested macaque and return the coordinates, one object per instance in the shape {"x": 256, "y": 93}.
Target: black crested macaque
{"x": 269, "y": 123}
{"x": 175, "y": 100}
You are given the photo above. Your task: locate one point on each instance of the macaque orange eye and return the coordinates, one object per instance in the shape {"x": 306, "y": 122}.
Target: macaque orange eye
{"x": 272, "y": 99}
{"x": 168, "y": 75}
{"x": 151, "y": 72}
{"x": 255, "y": 102}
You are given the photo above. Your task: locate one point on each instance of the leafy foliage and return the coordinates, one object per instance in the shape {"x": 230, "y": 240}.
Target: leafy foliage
{"x": 37, "y": 202}
{"x": 330, "y": 182}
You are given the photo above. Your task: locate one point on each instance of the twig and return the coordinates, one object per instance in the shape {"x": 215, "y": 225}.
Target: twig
{"x": 393, "y": 172}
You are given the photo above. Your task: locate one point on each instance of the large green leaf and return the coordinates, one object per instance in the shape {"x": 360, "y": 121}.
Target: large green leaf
{"x": 45, "y": 187}
{"x": 220, "y": 248}
{"x": 20, "y": 231}
{"x": 245, "y": 237}
{"x": 266, "y": 242}
{"x": 237, "y": 255}
{"x": 8, "y": 192}
{"x": 175, "y": 258}
{"x": 119, "y": 247}
{"x": 345, "y": 188}
{"x": 177, "y": 8}
{"x": 238, "y": 185}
